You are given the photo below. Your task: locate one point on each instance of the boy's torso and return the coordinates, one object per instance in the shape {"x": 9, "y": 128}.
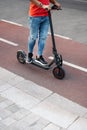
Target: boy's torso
{"x": 35, "y": 10}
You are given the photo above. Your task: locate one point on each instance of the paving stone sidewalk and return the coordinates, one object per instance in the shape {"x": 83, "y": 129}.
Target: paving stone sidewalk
{"x": 25, "y": 105}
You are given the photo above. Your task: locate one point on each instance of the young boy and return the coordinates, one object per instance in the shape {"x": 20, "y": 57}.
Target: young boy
{"x": 39, "y": 25}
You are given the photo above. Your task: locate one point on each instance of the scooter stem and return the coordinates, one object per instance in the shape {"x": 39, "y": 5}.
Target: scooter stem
{"x": 57, "y": 57}
{"x": 52, "y": 33}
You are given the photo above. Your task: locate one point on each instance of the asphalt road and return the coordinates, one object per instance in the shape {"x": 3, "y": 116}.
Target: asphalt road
{"x": 70, "y": 22}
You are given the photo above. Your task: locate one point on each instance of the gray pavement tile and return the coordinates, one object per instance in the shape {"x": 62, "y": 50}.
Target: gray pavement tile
{"x": 20, "y": 114}
{"x": 15, "y": 80}
{"x": 13, "y": 108}
{"x": 80, "y": 124}
{"x": 29, "y": 122}
{"x": 18, "y": 125}
{"x": 8, "y": 102}
{"x": 24, "y": 112}
{"x": 34, "y": 121}
{"x": 4, "y": 114}
{"x": 33, "y": 89}
{"x": 30, "y": 119}
{"x": 50, "y": 110}
{"x": 63, "y": 129}
{"x": 51, "y": 127}
{"x": 8, "y": 121}
{"x": 71, "y": 107}
{"x": 2, "y": 82}
{"x": 85, "y": 116}
{"x": 38, "y": 125}
{"x": 5, "y": 104}
{"x": 20, "y": 98}
{"x": 1, "y": 98}
{"x": 17, "y": 116}
{"x": 4, "y": 74}
{"x": 4, "y": 87}
{"x": 2, "y": 126}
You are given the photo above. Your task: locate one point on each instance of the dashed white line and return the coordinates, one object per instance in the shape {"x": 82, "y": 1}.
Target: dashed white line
{"x": 75, "y": 66}
{"x": 11, "y": 22}
{"x": 64, "y": 37}
{"x": 8, "y": 42}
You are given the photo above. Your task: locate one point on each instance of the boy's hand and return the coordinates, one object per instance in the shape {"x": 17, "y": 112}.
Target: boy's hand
{"x": 46, "y": 7}
{"x": 58, "y": 5}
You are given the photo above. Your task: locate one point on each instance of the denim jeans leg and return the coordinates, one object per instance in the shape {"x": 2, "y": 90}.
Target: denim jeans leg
{"x": 33, "y": 26}
{"x": 43, "y": 31}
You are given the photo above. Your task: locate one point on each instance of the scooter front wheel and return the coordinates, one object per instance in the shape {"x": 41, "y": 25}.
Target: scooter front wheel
{"x": 58, "y": 73}
{"x": 21, "y": 56}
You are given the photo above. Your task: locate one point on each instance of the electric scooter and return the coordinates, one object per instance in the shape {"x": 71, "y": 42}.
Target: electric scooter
{"x": 58, "y": 71}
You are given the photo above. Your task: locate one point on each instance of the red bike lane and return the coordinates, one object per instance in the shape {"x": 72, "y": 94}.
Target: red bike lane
{"x": 73, "y": 86}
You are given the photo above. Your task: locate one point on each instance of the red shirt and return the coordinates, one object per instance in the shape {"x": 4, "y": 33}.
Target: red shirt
{"x": 38, "y": 11}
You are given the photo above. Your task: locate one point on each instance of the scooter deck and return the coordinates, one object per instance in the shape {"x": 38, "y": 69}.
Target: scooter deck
{"x": 38, "y": 64}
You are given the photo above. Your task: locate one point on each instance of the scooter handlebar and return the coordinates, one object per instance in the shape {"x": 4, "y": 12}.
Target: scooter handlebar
{"x": 54, "y": 7}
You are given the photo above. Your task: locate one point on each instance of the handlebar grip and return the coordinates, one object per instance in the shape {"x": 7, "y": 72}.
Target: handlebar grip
{"x": 54, "y": 7}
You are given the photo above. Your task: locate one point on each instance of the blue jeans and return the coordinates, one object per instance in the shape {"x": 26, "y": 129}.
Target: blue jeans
{"x": 38, "y": 29}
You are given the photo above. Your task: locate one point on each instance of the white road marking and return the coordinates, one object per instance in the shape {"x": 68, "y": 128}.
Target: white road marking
{"x": 72, "y": 65}
{"x": 8, "y": 42}
{"x": 11, "y": 22}
{"x": 75, "y": 66}
{"x": 64, "y": 37}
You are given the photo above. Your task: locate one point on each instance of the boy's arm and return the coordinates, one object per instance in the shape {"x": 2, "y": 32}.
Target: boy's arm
{"x": 56, "y": 3}
{"x": 36, "y": 2}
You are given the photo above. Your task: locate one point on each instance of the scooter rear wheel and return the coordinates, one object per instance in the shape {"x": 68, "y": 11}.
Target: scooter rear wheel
{"x": 58, "y": 73}
{"x": 21, "y": 57}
